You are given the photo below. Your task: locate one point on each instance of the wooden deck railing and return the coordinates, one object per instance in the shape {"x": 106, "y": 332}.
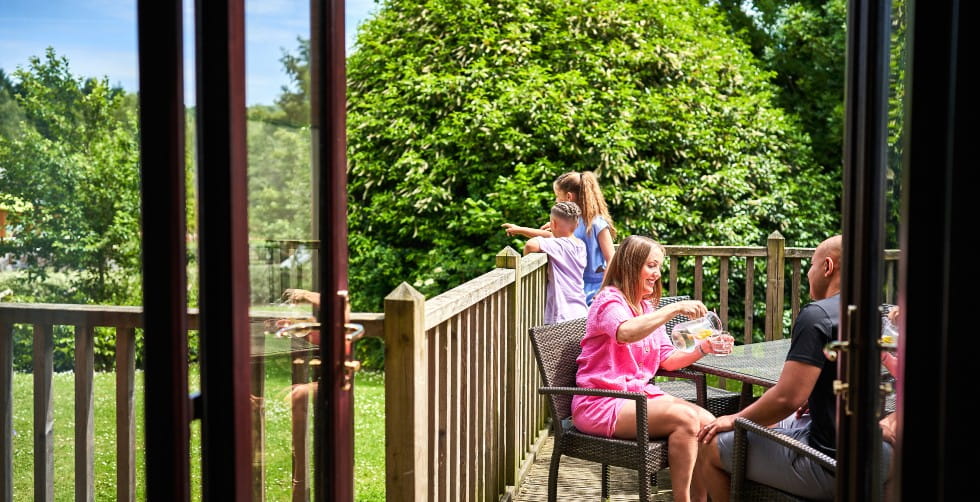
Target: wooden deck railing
{"x": 84, "y": 318}
{"x": 778, "y": 259}
{"x": 462, "y": 414}
{"x": 463, "y": 418}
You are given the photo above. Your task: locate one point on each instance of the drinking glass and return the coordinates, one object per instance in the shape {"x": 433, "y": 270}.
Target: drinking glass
{"x": 722, "y": 343}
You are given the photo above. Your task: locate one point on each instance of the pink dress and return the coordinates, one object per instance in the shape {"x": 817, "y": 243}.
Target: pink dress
{"x": 605, "y": 363}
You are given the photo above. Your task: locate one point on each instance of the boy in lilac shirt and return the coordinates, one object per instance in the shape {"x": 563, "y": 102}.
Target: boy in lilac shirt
{"x": 565, "y": 295}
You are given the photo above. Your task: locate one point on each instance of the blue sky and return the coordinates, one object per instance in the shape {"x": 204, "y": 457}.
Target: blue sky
{"x": 99, "y": 38}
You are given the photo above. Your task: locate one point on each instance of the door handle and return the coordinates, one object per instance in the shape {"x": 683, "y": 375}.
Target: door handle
{"x": 353, "y": 333}
{"x": 831, "y": 349}
{"x": 841, "y": 386}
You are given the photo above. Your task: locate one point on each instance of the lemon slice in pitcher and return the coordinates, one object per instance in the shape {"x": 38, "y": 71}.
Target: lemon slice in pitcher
{"x": 704, "y": 333}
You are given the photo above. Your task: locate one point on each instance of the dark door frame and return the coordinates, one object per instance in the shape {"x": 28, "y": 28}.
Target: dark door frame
{"x": 222, "y": 181}
{"x": 333, "y": 466}
{"x": 223, "y": 405}
{"x": 939, "y": 180}
{"x": 167, "y": 410}
{"x": 937, "y": 283}
{"x": 865, "y": 164}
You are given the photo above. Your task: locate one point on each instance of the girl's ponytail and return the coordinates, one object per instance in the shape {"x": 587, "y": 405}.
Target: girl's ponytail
{"x": 592, "y": 202}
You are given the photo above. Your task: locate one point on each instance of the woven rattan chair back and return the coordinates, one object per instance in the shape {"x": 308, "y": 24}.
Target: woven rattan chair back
{"x": 666, "y": 300}
{"x": 556, "y": 348}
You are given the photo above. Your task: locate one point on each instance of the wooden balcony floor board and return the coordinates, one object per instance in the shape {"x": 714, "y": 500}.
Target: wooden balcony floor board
{"x": 578, "y": 480}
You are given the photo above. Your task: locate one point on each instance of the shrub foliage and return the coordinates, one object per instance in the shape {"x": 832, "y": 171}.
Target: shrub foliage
{"x": 462, "y": 113}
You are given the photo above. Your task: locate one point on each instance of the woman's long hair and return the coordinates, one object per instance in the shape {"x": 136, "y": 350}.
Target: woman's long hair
{"x": 625, "y": 266}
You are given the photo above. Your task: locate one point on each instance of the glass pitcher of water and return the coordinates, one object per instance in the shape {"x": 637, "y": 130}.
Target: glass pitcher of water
{"x": 889, "y": 333}
{"x": 686, "y": 335}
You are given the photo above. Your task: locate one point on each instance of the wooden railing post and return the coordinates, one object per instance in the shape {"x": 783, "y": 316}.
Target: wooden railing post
{"x": 407, "y": 399}
{"x": 84, "y": 413}
{"x": 509, "y": 258}
{"x": 125, "y": 415}
{"x": 775, "y": 284}
{"x": 6, "y": 411}
{"x": 43, "y": 413}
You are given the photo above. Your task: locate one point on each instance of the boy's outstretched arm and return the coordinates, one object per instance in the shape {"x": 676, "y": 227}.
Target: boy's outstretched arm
{"x": 512, "y": 229}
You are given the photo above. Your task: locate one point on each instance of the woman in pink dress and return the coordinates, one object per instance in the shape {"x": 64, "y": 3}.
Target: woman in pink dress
{"x": 625, "y": 344}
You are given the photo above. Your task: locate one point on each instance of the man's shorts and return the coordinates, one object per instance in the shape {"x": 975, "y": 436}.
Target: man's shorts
{"x": 775, "y": 465}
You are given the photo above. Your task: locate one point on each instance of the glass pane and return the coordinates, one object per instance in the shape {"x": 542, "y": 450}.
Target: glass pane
{"x": 69, "y": 237}
{"x": 281, "y": 247}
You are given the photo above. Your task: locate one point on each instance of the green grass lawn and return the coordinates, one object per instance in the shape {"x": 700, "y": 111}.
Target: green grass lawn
{"x": 368, "y": 440}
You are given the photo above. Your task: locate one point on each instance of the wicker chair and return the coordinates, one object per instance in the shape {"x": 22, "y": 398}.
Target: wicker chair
{"x": 556, "y": 348}
{"x": 745, "y": 489}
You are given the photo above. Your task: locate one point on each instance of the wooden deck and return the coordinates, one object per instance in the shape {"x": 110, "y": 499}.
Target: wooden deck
{"x": 578, "y": 480}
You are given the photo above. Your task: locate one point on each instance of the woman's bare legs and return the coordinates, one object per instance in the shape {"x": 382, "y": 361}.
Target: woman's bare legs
{"x": 299, "y": 398}
{"x": 679, "y": 421}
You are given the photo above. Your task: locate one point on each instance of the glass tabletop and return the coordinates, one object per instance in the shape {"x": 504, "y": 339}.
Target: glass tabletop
{"x": 757, "y": 363}
{"x": 265, "y": 343}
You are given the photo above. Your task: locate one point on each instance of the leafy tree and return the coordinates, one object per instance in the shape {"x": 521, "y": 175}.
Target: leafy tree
{"x": 295, "y": 101}
{"x": 461, "y": 114}
{"x": 292, "y": 107}
{"x": 74, "y": 163}
{"x": 896, "y": 118}
{"x": 804, "y": 43}
{"x": 278, "y": 181}
{"x": 10, "y": 113}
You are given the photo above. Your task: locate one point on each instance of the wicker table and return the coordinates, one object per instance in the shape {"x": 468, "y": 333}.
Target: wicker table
{"x": 758, "y": 364}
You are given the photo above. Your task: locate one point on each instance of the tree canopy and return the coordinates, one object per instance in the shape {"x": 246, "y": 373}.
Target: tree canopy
{"x": 73, "y": 164}
{"x": 804, "y": 43}
{"x": 461, "y": 114}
